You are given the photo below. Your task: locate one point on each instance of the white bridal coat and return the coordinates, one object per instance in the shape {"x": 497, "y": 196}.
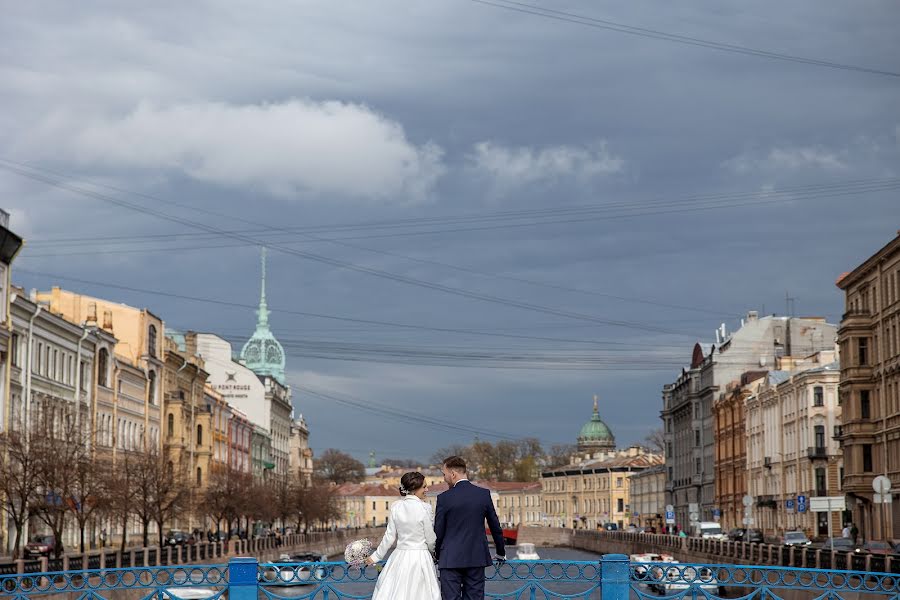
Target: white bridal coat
{"x": 410, "y": 572}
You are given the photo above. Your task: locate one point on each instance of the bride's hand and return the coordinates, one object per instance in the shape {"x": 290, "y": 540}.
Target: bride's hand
{"x": 369, "y": 561}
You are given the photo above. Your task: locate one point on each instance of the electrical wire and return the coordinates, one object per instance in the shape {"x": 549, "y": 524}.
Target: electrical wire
{"x": 531, "y": 9}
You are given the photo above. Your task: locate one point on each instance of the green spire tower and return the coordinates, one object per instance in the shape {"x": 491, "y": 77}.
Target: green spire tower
{"x": 262, "y": 353}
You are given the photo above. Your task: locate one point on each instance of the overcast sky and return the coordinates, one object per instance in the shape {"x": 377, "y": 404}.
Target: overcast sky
{"x": 529, "y": 178}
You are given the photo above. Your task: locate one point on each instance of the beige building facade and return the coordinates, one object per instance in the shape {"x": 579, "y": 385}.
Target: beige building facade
{"x": 791, "y": 450}
{"x": 301, "y": 460}
{"x": 869, "y": 339}
{"x": 364, "y": 505}
{"x": 590, "y": 494}
{"x": 648, "y": 497}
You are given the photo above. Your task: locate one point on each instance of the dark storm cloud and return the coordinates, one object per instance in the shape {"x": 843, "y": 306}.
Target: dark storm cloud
{"x": 315, "y": 113}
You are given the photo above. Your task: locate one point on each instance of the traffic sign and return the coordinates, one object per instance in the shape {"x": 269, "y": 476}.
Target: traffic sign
{"x": 670, "y": 508}
{"x": 693, "y": 507}
{"x": 748, "y": 521}
{"x": 670, "y": 517}
{"x": 747, "y": 500}
{"x": 827, "y": 504}
{"x": 717, "y": 512}
{"x": 881, "y": 484}
{"x": 801, "y": 499}
{"x": 789, "y": 505}
{"x": 884, "y": 498}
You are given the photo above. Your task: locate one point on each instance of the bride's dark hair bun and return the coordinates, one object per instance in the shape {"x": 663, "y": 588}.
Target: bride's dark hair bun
{"x": 410, "y": 482}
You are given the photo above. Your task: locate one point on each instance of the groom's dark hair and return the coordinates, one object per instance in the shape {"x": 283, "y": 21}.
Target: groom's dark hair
{"x": 455, "y": 463}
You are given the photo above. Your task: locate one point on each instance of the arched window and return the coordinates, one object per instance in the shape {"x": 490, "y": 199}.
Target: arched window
{"x": 171, "y": 425}
{"x": 199, "y": 476}
{"x": 151, "y": 387}
{"x": 199, "y": 435}
{"x": 102, "y": 367}
{"x": 151, "y": 341}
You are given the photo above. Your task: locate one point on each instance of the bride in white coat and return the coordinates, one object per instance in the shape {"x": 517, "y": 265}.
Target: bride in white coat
{"x": 410, "y": 572}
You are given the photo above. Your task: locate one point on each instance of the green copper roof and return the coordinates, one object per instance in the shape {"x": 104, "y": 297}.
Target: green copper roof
{"x": 595, "y": 430}
{"x": 262, "y": 353}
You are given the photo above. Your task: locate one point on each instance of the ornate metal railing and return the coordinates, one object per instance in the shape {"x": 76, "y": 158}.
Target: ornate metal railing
{"x": 613, "y": 577}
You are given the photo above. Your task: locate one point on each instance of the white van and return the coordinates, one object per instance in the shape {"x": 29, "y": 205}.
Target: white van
{"x": 709, "y": 530}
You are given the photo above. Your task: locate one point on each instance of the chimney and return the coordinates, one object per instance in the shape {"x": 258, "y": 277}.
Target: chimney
{"x": 752, "y": 315}
{"x": 107, "y": 320}
{"x": 91, "y": 318}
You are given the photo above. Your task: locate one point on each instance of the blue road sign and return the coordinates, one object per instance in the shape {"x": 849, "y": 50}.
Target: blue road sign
{"x": 789, "y": 503}
{"x": 670, "y": 516}
{"x": 801, "y": 499}
{"x": 717, "y": 512}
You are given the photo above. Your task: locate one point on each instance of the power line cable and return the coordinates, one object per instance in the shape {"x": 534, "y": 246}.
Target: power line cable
{"x": 380, "y": 273}
{"x": 531, "y": 9}
{"x": 476, "y": 271}
{"x": 227, "y": 303}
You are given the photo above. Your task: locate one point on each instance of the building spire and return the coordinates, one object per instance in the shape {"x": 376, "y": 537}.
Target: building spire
{"x": 263, "y": 312}
{"x": 596, "y": 408}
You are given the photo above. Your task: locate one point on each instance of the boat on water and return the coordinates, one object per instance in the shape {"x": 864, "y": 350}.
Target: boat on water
{"x": 526, "y": 551}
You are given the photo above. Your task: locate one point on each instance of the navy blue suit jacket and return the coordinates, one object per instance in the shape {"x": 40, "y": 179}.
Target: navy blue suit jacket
{"x": 459, "y": 527}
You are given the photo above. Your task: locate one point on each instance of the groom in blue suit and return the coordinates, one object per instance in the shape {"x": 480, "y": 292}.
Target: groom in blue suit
{"x": 461, "y": 548}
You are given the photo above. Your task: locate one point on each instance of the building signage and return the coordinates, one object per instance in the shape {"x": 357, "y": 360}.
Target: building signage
{"x": 828, "y": 503}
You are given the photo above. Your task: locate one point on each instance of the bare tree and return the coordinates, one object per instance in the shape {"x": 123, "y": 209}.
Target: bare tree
{"x": 224, "y": 493}
{"x": 655, "y": 441}
{"x": 18, "y": 482}
{"x": 169, "y": 493}
{"x": 559, "y": 455}
{"x": 316, "y": 504}
{"x": 122, "y": 497}
{"x": 90, "y": 491}
{"x": 57, "y": 452}
{"x": 338, "y": 467}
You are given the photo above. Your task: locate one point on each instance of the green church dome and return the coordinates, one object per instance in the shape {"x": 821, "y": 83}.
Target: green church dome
{"x": 596, "y": 433}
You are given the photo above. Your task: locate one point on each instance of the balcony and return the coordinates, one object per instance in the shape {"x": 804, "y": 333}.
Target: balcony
{"x": 817, "y": 452}
{"x": 859, "y": 317}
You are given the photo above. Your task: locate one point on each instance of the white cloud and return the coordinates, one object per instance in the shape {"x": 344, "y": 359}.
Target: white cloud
{"x": 288, "y": 147}
{"x": 788, "y": 158}
{"x": 523, "y": 165}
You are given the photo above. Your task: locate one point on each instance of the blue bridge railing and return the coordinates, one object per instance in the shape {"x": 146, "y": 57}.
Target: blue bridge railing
{"x": 613, "y": 577}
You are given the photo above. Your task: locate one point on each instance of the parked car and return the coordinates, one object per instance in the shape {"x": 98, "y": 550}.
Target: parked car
{"x": 40, "y": 545}
{"x": 736, "y": 534}
{"x": 795, "y": 538}
{"x": 610, "y": 527}
{"x": 839, "y": 544}
{"x": 873, "y": 547}
{"x": 177, "y": 538}
{"x": 754, "y": 536}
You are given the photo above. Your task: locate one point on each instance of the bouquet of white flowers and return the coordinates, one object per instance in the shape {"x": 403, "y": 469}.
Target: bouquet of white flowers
{"x": 357, "y": 552}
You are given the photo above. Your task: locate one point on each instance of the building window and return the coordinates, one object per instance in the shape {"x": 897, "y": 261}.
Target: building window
{"x": 820, "y": 482}
{"x": 199, "y": 476}
{"x": 171, "y": 425}
{"x": 698, "y": 466}
{"x": 820, "y": 436}
{"x": 620, "y": 505}
{"x": 865, "y": 406}
{"x": 151, "y": 341}
{"x": 863, "y": 351}
{"x": 867, "y": 458}
{"x": 102, "y": 366}
{"x": 818, "y": 396}
{"x": 199, "y": 435}
{"x": 151, "y": 387}
{"x": 14, "y": 350}
{"x": 696, "y": 437}
{"x": 619, "y": 482}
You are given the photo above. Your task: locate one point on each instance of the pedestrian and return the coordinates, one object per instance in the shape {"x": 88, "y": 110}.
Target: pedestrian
{"x": 845, "y": 532}
{"x": 854, "y": 532}
{"x": 103, "y": 538}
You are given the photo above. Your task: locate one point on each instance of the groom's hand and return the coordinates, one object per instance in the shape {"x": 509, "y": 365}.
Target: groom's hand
{"x": 499, "y": 559}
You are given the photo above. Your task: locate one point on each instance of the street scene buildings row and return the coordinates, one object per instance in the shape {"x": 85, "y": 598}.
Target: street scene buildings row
{"x": 789, "y": 409}
{"x": 132, "y": 385}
